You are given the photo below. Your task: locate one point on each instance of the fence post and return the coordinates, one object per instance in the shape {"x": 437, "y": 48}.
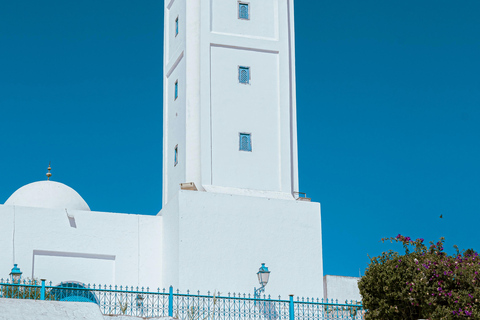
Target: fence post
{"x": 42, "y": 290}
{"x": 291, "y": 309}
{"x": 170, "y": 302}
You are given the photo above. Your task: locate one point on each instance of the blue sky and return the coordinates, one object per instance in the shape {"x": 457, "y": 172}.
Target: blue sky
{"x": 388, "y": 106}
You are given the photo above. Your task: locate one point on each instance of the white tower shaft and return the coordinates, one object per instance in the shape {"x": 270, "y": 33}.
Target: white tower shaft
{"x": 230, "y": 77}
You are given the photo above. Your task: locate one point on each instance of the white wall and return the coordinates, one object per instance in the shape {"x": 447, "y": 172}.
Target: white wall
{"x": 174, "y": 110}
{"x": 341, "y": 288}
{"x": 262, "y": 23}
{"x": 217, "y": 242}
{"x": 100, "y": 247}
{"x": 252, "y": 108}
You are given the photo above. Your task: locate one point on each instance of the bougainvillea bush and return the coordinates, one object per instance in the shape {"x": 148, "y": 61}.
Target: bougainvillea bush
{"x": 423, "y": 283}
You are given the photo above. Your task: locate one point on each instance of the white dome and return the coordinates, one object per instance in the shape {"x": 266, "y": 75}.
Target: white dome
{"x": 47, "y": 194}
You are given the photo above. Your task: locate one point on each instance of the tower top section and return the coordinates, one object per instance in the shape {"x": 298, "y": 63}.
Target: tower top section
{"x": 229, "y": 97}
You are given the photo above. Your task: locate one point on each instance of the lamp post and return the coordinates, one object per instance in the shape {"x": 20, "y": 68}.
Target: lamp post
{"x": 263, "y": 274}
{"x": 15, "y": 274}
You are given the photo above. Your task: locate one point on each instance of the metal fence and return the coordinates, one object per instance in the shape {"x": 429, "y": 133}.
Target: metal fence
{"x": 134, "y": 301}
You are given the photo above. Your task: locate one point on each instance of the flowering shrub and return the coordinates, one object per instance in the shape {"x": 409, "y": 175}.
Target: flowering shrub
{"x": 424, "y": 283}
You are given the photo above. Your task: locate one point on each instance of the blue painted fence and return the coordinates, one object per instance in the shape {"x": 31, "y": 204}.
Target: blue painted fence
{"x": 119, "y": 300}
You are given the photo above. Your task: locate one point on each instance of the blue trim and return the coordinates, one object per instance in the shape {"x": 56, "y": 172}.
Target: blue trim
{"x": 244, "y": 75}
{"x": 245, "y": 143}
{"x": 42, "y": 290}
{"x": 175, "y": 160}
{"x": 243, "y": 12}
{"x": 291, "y": 309}
{"x": 170, "y": 301}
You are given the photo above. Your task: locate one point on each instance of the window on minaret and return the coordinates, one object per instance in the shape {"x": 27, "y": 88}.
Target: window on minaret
{"x": 175, "y": 160}
{"x": 245, "y": 142}
{"x": 243, "y": 12}
{"x": 244, "y": 75}
{"x": 176, "y": 27}
{"x": 176, "y": 90}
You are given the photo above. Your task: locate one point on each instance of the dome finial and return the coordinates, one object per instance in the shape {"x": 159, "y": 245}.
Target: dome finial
{"x": 49, "y": 174}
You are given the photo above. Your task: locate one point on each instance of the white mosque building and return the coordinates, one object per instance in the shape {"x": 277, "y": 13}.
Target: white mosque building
{"x": 230, "y": 173}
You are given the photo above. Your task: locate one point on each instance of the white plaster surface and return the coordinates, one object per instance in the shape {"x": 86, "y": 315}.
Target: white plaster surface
{"x": 85, "y": 246}
{"x": 341, "y": 288}
{"x": 217, "y": 242}
{"x": 20, "y": 309}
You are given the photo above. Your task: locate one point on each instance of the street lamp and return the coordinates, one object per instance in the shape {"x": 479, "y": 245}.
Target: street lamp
{"x": 15, "y": 274}
{"x": 263, "y": 274}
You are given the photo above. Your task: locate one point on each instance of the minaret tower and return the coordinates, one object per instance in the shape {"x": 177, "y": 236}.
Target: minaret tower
{"x": 229, "y": 97}
{"x": 230, "y": 172}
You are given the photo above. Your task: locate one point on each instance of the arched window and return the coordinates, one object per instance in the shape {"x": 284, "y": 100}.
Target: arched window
{"x": 243, "y": 11}
{"x": 73, "y": 291}
{"x": 245, "y": 142}
{"x": 244, "y": 75}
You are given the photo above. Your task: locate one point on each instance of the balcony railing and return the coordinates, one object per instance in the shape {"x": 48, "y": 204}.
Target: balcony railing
{"x": 134, "y": 301}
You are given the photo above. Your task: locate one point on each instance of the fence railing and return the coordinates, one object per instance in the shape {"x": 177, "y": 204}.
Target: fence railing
{"x": 134, "y": 301}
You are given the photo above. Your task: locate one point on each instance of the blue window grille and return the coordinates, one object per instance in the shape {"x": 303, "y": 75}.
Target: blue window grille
{"x": 176, "y": 27}
{"x": 176, "y": 90}
{"x": 245, "y": 142}
{"x": 244, "y": 75}
{"x": 243, "y": 11}
{"x": 175, "y": 161}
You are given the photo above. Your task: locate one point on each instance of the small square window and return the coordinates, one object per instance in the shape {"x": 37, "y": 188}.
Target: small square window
{"x": 244, "y": 75}
{"x": 243, "y": 12}
{"x": 245, "y": 142}
{"x": 176, "y": 27}
{"x": 175, "y": 160}
{"x": 176, "y": 90}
